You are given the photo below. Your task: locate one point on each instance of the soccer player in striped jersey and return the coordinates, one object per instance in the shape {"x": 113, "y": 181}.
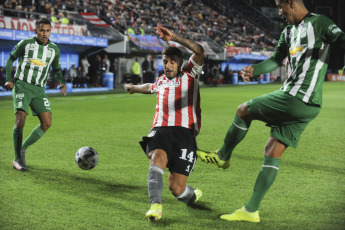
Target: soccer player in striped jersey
{"x": 306, "y": 42}
{"x": 36, "y": 56}
{"x": 171, "y": 142}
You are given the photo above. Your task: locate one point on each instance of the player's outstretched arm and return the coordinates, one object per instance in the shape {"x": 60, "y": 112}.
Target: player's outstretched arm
{"x": 145, "y": 88}
{"x": 167, "y": 35}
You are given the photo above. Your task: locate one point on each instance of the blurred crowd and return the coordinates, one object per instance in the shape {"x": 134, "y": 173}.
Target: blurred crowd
{"x": 189, "y": 18}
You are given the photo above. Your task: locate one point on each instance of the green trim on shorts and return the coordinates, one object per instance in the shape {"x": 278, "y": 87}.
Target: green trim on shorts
{"x": 285, "y": 114}
{"x": 26, "y": 95}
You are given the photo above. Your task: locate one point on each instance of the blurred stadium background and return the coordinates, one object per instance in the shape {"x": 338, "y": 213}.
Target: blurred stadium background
{"x": 112, "y": 34}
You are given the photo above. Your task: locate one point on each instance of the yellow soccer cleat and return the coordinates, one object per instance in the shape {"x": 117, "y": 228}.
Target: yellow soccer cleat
{"x": 242, "y": 215}
{"x": 198, "y": 194}
{"x": 213, "y": 158}
{"x": 155, "y": 212}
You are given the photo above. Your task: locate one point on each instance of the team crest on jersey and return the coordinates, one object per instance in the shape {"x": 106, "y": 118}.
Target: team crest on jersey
{"x": 49, "y": 53}
{"x": 303, "y": 32}
{"x": 37, "y": 62}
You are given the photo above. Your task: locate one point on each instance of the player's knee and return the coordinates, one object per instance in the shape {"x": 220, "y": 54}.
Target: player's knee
{"x": 176, "y": 189}
{"x": 243, "y": 113}
{"x": 45, "y": 125}
{"x": 242, "y": 110}
{"x": 158, "y": 157}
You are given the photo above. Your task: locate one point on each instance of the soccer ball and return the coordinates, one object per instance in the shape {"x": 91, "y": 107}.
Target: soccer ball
{"x": 86, "y": 158}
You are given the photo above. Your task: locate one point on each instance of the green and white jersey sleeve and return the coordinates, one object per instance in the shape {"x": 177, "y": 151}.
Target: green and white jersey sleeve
{"x": 307, "y": 46}
{"x": 35, "y": 61}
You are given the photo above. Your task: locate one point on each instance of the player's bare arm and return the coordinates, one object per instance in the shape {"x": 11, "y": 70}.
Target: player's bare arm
{"x": 145, "y": 88}
{"x": 198, "y": 50}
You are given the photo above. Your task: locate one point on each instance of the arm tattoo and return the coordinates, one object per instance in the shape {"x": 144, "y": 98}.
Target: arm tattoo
{"x": 193, "y": 46}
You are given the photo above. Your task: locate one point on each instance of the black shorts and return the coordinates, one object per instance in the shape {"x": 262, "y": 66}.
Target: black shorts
{"x": 179, "y": 143}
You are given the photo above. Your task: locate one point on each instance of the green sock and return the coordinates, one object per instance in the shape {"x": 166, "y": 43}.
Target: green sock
{"x": 234, "y": 135}
{"x": 34, "y": 136}
{"x": 17, "y": 141}
{"x": 265, "y": 179}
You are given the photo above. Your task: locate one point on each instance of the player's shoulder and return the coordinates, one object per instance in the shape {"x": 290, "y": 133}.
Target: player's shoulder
{"x": 26, "y": 41}
{"x": 319, "y": 19}
{"x": 53, "y": 46}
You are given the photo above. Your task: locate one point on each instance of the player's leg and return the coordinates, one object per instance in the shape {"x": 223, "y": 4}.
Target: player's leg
{"x": 273, "y": 152}
{"x": 19, "y": 161}
{"x": 45, "y": 123}
{"x": 233, "y": 137}
{"x": 183, "y": 192}
{"x": 158, "y": 161}
{"x": 40, "y": 106}
{"x": 236, "y": 132}
{"x": 21, "y": 101}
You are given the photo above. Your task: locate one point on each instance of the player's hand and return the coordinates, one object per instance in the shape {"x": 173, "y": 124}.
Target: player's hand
{"x": 247, "y": 73}
{"x": 9, "y": 85}
{"x": 63, "y": 89}
{"x": 129, "y": 88}
{"x": 164, "y": 33}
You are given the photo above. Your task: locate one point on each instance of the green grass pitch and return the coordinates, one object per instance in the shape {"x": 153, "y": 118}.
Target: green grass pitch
{"x": 309, "y": 192}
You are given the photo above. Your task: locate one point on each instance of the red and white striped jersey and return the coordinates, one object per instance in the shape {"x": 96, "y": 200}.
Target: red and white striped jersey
{"x": 178, "y": 99}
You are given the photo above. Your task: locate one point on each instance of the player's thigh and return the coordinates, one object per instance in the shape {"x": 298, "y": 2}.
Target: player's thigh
{"x": 184, "y": 154}
{"x": 21, "y": 97}
{"x": 40, "y": 104}
{"x": 280, "y": 108}
{"x": 289, "y": 134}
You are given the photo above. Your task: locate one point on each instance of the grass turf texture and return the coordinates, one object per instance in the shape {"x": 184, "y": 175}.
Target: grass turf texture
{"x": 55, "y": 194}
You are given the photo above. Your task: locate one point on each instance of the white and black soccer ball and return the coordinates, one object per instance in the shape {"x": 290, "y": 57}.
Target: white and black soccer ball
{"x": 86, "y": 158}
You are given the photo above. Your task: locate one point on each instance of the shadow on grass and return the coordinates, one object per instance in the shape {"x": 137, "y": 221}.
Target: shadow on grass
{"x": 75, "y": 184}
{"x": 200, "y": 206}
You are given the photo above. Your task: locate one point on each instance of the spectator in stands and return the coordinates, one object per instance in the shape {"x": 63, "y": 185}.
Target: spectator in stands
{"x": 42, "y": 8}
{"x": 81, "y": 77}
{"x": 97, "y": 70}
{"x": 62, "y": 18}
{"x": 114, "y": 69}
{"x": 72, "y": 72}
{"x": 33, "y": 12}
{"x": 107, "y": 61}
{"x": 85, "y": 63}
{"x": 136, "y": 71}
{"x": 70, "y": 18}
{"x": 148, "y": 69}
{"x": 53, "y": 16}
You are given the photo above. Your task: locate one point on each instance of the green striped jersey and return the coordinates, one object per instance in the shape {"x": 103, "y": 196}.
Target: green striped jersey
{"x": 35, "y": 61}
{"x": 308, "y": 48}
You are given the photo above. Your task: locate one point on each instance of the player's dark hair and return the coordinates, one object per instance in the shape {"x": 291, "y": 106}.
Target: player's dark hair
{"x": 172, "y": 51}
{"x": 43, "y": 21}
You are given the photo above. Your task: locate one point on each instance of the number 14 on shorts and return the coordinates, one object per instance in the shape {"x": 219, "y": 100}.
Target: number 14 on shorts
{"x": 187, "y": 156}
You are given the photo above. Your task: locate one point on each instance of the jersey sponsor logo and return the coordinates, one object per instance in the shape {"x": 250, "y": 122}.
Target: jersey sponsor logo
{"x": 334, "y": 29}
{"x": 173, "y": 83}
{"x": 295, "y": 50}
{"x": 37, "y": 62}
{"x": 20, "y": 96}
